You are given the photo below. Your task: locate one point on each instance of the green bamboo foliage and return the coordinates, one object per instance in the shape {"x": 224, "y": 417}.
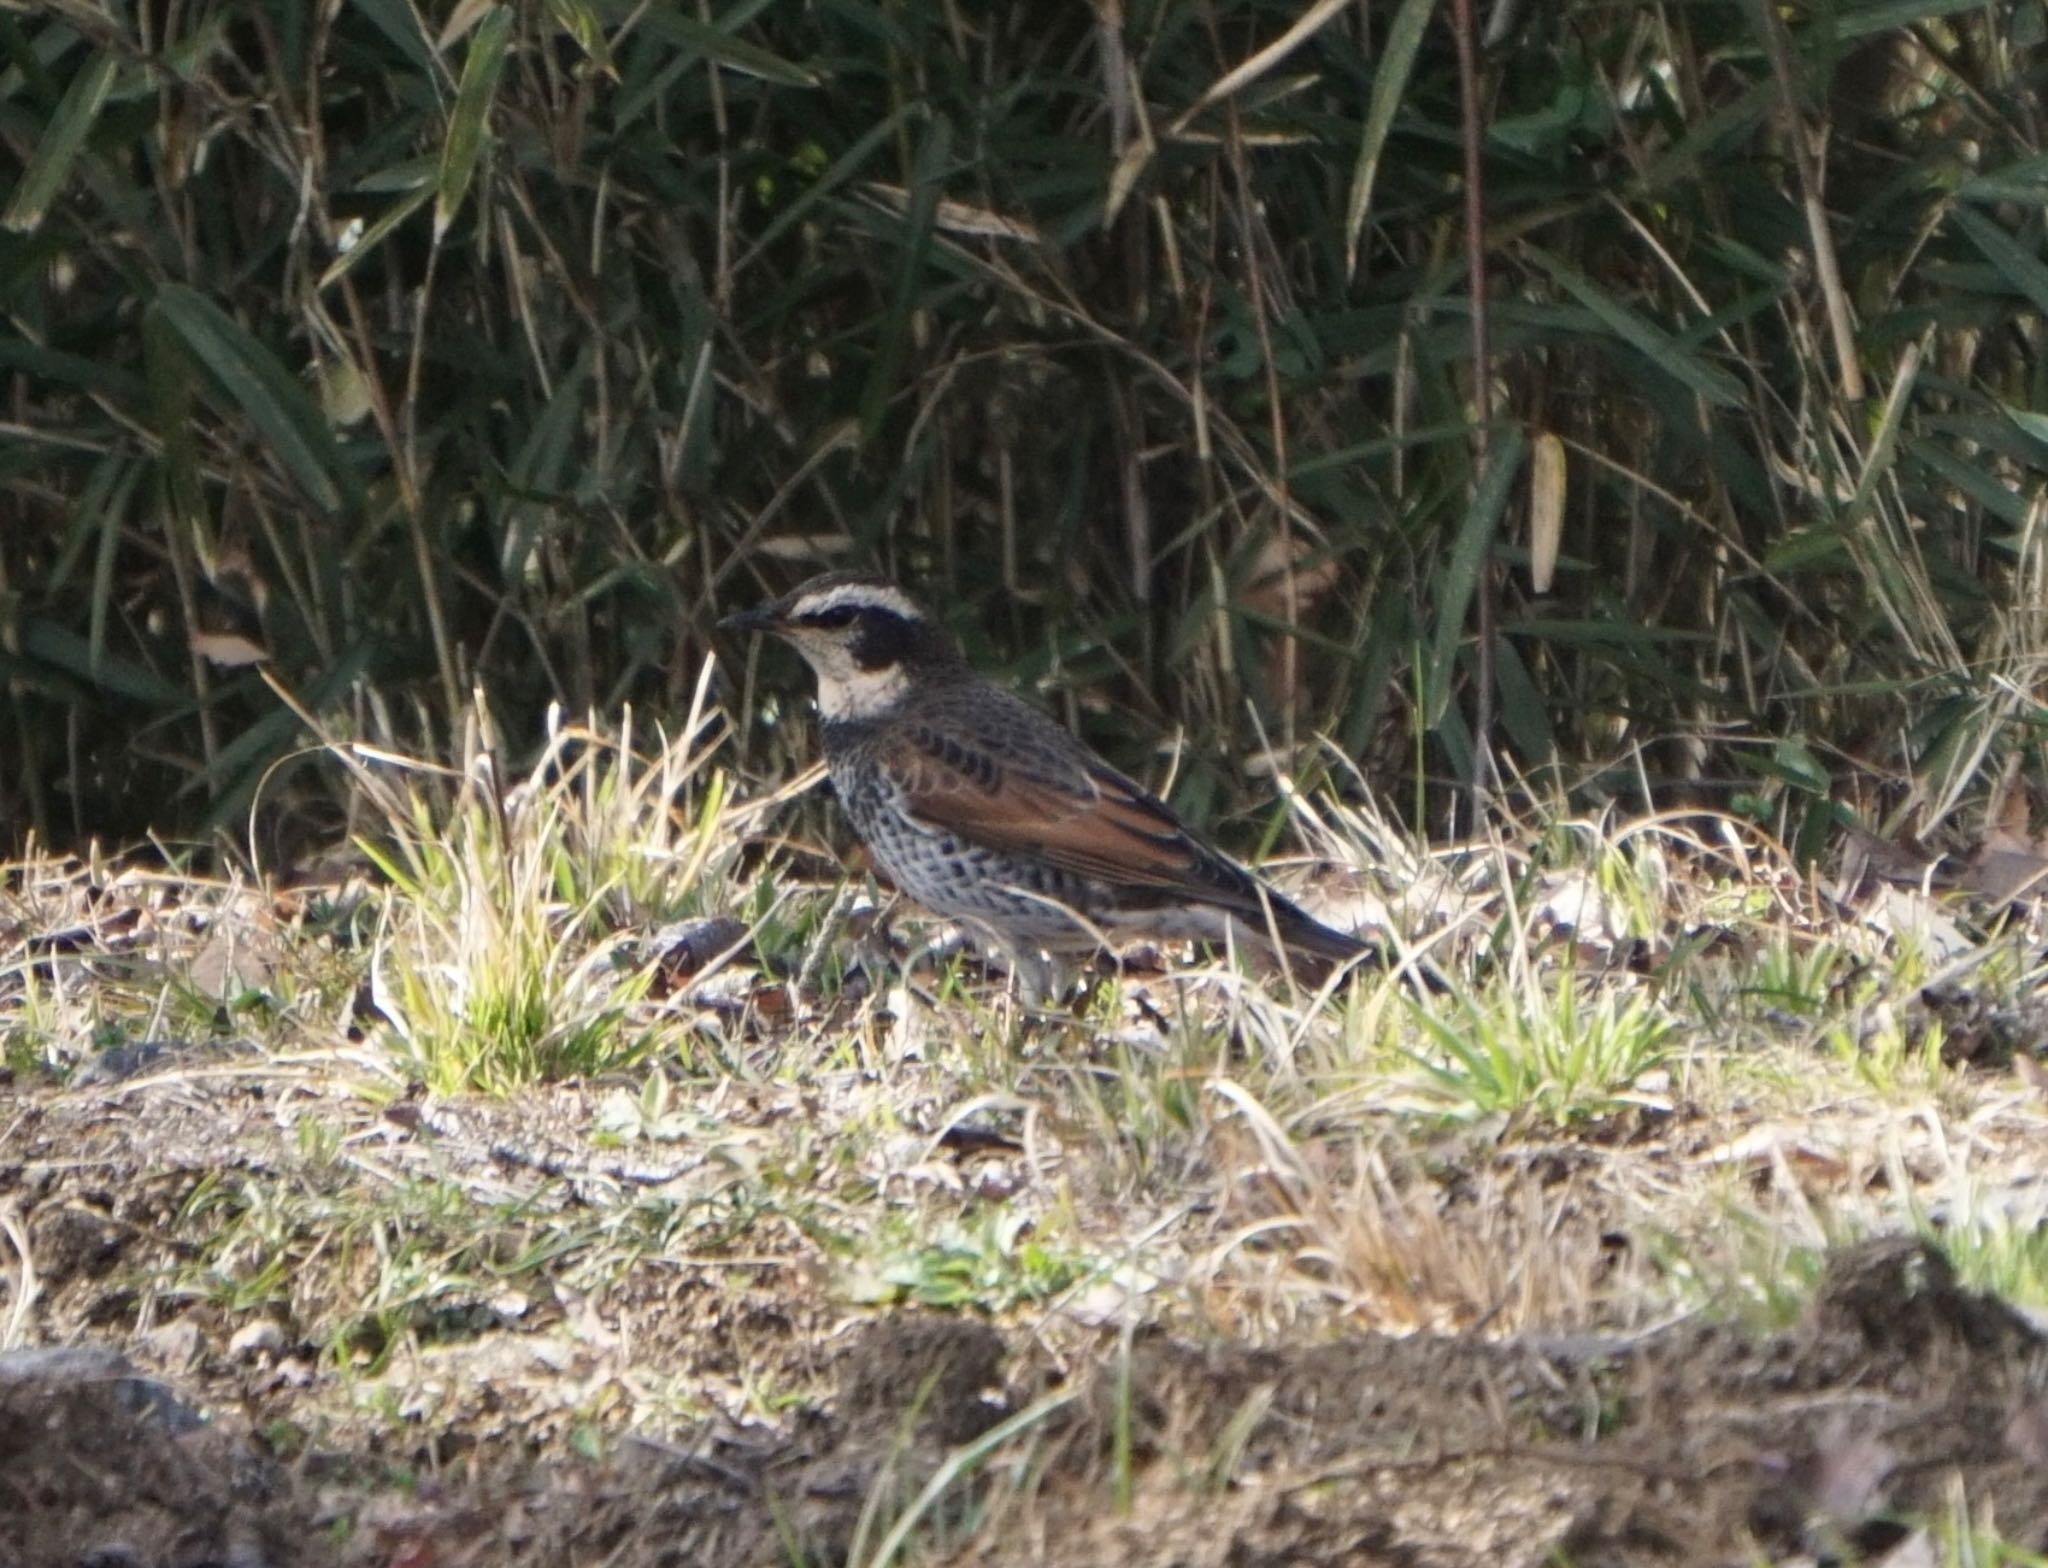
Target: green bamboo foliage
{"x": 422, "y": 348}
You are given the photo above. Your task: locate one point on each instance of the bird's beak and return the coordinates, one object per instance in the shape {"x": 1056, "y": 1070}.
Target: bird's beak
{"x": 768, "y": 618}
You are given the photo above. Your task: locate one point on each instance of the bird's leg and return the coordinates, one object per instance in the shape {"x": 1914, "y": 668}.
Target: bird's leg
{"x": 1033, "y": 971}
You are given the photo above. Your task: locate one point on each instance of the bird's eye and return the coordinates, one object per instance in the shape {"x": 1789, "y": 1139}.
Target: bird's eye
{"x": 840, "y": 615}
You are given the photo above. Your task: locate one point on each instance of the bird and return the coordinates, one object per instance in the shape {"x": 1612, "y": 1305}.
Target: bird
{"x": 986, "y": 811}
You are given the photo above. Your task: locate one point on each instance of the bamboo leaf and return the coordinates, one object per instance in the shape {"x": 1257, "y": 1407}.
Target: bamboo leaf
{"x": 2023, "y": 179}
{"x": 1547, "y": 477}
{"x": 113, "y": 513}
{"x": 59, "y": 145}
{"x": 461, "y": 18}
{"x": 535, "y": 473}
{"x": 64, "y": 650}
{"x": 1123, "y": 179}
{"x": 2035, "y": 425}
{"x": 1522, "y": 710}
{"x": 167, "y": 372}
{"x": 714, "y": 44}
{"x": 400, "y": 23}
{"x": 580, "y": 22}
{"x": 1261, "y": 61}
{"x": 1987, "y": 490}
{"x": 1469, "y": 554}
{"x": 894, "y": 331}
{"x": 481, "y": 68}
{"x": 61, "y": 369}
{"x": 251, "y": 377}
{"x": 1389, "y": 83}
{"x": 2019, "y": 265}
{"x": 1659, "y": 347}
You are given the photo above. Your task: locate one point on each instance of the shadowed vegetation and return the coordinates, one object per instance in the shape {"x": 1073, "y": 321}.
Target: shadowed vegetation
{"x": 501, "y": 346}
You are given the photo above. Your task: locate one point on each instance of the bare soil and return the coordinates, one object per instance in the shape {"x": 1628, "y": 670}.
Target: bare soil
{"x": 511, "y": 1426}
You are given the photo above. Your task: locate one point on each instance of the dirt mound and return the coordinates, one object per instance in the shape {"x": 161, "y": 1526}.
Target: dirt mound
{"x": 1701, "y": 1445}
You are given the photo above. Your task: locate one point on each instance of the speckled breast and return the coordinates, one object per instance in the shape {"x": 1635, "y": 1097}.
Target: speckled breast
{"x": 1024, "y": 899}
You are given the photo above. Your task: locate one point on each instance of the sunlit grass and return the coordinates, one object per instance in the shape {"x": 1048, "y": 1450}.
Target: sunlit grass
{"x": 1559, "y": 1057}
{"x": 503, "y": 954}
{"x": 1584, "y": 1123}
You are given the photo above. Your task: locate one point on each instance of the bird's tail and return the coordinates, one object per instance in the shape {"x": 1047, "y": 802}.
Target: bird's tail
{"x": 1306, "y": 937}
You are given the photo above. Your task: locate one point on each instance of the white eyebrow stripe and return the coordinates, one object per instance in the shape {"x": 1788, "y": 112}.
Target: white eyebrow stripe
{"x": 861, "y": 596}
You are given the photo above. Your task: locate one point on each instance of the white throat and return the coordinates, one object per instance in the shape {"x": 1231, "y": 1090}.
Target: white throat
{"x": 854, "y": 693}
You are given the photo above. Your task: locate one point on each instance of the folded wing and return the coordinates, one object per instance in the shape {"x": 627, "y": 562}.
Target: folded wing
{"x": 1060, "y": 805}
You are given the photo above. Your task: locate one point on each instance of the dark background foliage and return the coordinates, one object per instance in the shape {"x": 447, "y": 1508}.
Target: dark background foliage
{"x": 444, "y": 349}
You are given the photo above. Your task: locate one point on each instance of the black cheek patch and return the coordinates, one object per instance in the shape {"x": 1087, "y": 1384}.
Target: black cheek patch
{"x": 885, "y": 639}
